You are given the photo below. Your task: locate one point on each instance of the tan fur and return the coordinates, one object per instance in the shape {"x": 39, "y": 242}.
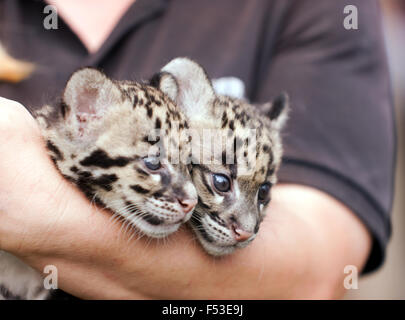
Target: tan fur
{"x": 242, "y": 203}
{"x": 121, "y": 131}
{"x": 232, "y": 121}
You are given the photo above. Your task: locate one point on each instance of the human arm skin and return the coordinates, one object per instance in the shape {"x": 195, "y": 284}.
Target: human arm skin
{"x": 302, "y": 248}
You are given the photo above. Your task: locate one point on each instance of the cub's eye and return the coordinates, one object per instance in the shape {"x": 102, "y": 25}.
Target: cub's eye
{"x": 221, "y": 182}
{"x": 152, "y": 163}
{"x": 264, "y": 193}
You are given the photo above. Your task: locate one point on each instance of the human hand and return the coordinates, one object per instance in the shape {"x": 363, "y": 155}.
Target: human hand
{"x": 24, "y": 170}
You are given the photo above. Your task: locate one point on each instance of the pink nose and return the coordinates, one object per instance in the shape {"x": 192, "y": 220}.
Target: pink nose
{"x": 187, "y": 204}
{"x": 240, "y": 234}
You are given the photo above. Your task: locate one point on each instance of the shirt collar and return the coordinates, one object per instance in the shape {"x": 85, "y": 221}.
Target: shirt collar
{"x": 139, "y": 13}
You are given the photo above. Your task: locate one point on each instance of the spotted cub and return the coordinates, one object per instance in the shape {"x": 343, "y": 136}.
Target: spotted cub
{"x": 101, "y": 137}
{"x": 235, "y": 172}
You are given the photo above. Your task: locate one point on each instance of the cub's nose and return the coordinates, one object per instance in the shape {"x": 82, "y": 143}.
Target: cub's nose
{"x": 187, "y": 204}
{"x": 240, "y": 234}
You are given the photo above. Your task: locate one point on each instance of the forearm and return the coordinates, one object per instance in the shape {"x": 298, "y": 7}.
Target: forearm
{"x": 304, "y": 245}
{"x": 300, "y": 253}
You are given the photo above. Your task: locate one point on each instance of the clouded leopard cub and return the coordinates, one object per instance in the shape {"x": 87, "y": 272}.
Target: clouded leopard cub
{"x": 234, "y": 190}
{"x": 101, "y": 139}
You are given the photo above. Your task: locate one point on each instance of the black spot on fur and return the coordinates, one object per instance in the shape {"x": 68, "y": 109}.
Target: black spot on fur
{"x": 155, "y": 221}
{"x": 85, "y": 174}
{"x": 237, "y": 142}
{"x": 84, "y": 185}
{"x": 234, "y": 170}
{"x": 151, "y": 140}
{"x": 206, "y": 184}
{"x": 74, "y": 169}
{"x": 232, "y": 125}
{"x": 55, "y": 150}
{"x": 223, "y": 156}
{"x": 69, "y": 178}
{"x": 149, "y": 110}
{"x": 99, "y": 202}
{"x": 100, "y": 158}
{"x": 158, "y": 194}
{"x": 158, "y": 123}
{"x": 215, "y": 216}
{"x": 155, "y": 80}
{"x": 139, "y": 189}
{"x": 105, "y": 181}
{"x": 278, "y": 105}
{"x": 64, "y": 109}
{"x": 270, "y": 172}
{"x": 202, "y": 204}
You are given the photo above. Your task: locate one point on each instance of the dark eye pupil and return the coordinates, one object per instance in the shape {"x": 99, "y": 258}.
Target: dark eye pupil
{"x": 264, "y": 192}
{"x": 221, "y": 183}
{"x": 152, "y": 163}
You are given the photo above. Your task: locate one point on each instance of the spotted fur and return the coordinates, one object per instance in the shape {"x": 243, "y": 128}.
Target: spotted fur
{"x": 224, "y": 221}
{"x": 99, "y": 138}
{"x": 120, "y": 143}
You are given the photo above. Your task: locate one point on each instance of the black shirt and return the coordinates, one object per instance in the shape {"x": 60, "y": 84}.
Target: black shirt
{"x": 340, "y": 137}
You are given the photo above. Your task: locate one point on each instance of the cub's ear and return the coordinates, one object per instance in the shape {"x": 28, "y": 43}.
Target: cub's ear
{"x": 89, "y": 92}
{"x": 187, "y": 84}
{"x": 167, "y": 83}
{"x": 277, "y": 110}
